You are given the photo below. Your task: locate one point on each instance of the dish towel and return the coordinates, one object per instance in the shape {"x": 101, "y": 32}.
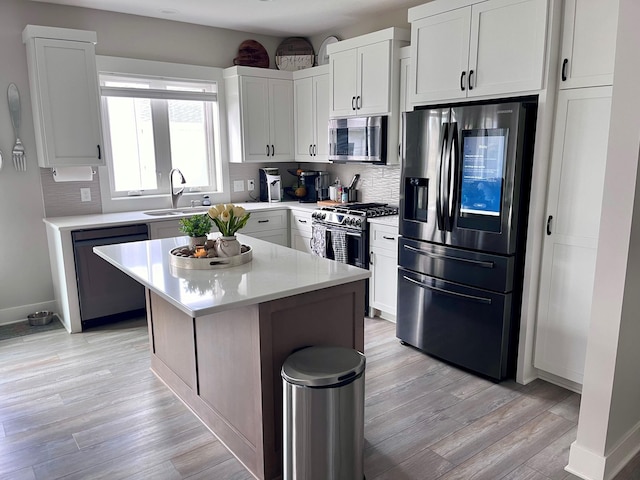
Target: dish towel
{"x": 339, "y": 245}
{"x": 319, "y": 240}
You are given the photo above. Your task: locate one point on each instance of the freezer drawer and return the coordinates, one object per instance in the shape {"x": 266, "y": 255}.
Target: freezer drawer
{"x": 466, "y": 326}
{"x": 482, "y": 270}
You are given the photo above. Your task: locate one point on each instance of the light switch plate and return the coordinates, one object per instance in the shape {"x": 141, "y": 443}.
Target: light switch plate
{"x": 85, "y": 194}
{"x": 251, "y": 185}
{"x": 238, "y": 185}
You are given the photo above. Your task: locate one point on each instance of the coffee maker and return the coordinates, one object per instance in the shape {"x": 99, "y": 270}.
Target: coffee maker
{"x": 308, "y": 184}
{"x": 270, "y": 185}
{"x": 322, "y": 186}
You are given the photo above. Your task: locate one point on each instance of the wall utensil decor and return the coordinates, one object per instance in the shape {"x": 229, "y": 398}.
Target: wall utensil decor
{"x": 17, "y": 154}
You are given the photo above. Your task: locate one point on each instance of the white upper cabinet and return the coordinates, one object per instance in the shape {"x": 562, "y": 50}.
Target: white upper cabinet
{"x": 63, "y": 81}
{"x": 363, "y": 75}
{"x": 259, "y": 114}
{"x": 494, "y": 47}
{"x": 311, "y": 114}
{"x": 588, "y": 43}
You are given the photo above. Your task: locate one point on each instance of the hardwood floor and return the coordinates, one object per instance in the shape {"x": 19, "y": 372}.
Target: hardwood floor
{"x": 86, "y": 406}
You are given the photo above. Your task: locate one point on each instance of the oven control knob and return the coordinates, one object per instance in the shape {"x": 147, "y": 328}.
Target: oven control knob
{"x": 357, "y": 222}
{"x": 323, "y": 216}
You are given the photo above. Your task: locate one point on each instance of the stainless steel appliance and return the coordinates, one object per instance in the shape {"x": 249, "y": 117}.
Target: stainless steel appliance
{"x": 349, "y": 224}
{"x": 358, "y": 140}
{"x": 322, "y": 185}
{"x": 270, "y": 185}
{"x": 105, "y": 293}
{"x": 464, "y": 200}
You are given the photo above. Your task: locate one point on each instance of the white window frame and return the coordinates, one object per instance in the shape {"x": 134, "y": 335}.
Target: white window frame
{"x": 179, "y": 72}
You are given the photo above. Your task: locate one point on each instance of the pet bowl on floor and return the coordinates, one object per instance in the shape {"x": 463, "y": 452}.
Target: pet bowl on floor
{"x": 40, "y": 318}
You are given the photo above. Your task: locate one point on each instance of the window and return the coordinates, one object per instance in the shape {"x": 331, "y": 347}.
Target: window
{"x": 154, "y": 119}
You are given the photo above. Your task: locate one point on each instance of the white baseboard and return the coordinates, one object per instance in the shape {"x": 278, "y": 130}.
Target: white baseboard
{"x": 19, "y": 314}
{"x": 590, "y": 465}
{"x": 561, "y": 382}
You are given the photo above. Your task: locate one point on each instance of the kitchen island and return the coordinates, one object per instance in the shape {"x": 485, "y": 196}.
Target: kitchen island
{"x": 218, "y": 338}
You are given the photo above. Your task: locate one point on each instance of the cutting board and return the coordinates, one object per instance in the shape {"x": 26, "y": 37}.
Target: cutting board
{"x": 331, "y": 203}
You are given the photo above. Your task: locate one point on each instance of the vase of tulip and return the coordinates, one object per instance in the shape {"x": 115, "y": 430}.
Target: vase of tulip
{"x": 228, "y": 218}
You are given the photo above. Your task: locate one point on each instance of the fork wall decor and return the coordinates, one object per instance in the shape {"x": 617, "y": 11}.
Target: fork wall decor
{"x": 17, "y": 154}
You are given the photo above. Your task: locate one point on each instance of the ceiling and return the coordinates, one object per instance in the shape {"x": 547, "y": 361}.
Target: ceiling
{"x": 270, "y": 17}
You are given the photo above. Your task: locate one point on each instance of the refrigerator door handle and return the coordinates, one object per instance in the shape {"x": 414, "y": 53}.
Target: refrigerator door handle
{"x": 452, "y": 175}
{"x": 477, "y": 263}
{"x": 439, "y": 206}
{"x": 473, "y": 298}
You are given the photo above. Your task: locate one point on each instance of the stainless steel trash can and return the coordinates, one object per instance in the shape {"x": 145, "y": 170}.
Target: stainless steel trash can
{"x": 323, "y": 414}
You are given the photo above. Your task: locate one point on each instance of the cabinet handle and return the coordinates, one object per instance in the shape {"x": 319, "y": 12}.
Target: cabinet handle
{"x": 462, "y": 80}
{"x": 273, "y": 151}
{"x": 302, "y": 221}
{"x": 564, "y": 69}
{"x": 263, "y": 221}
{"x": 470, "y": 79}
{"x": 315, "y": 150}
{"x": 99, "y": 153}
{"x": 353, "y": 103}
{"x": 358, "y": 102}
{"x": 370, "y": 258}
{"x": 310, "y": 150}
{"x": 399, "y": 150}
{"x": 549, "y": 224}
{"x": 388, "y": 238}
{"x": 267, "y": 150}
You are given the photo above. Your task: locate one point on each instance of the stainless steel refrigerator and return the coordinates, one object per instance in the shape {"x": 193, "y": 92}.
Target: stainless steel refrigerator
{"x": 464, "y": 200}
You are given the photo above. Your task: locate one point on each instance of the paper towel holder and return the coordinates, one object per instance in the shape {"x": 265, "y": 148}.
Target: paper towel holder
{"x": 54, "y": 172}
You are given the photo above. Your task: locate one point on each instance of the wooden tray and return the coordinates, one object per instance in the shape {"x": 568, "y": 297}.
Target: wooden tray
{"x": 208, "y": 263}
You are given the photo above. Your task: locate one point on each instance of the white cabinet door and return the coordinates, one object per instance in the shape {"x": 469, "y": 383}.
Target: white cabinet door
{"x": 321, "y": 124}
{"x": 64, "y": 86}
{"x": 573, "y": 208}
{"x": 374, "y": 73}
{"x": 440, "y": 48}
{"x": 588, "y": 43}
{"x": 279, "y": 237}
{"x": 301, "y": 241}
{"x": 343, "y": 83}
{"x": 301, "y": 230}
{"x": 266, "y": 124}
{"x": 255, "y": 119}
{"x": 280, "y": 120}
{"x": 304, "y": 119}
{"x": 164, "y": 229}
{"x": 311, "y": 105}
{"x": 383, "y": 257}
{"x": 507, "y": 46}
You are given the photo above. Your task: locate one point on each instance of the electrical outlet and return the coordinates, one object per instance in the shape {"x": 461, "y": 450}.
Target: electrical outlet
{"x": 238, "y": 186}
{"x": 85, "y": 194}
{"x": 251, "y": 185}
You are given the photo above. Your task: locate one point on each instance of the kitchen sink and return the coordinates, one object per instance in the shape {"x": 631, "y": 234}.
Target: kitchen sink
{"x": 176, "y": 211}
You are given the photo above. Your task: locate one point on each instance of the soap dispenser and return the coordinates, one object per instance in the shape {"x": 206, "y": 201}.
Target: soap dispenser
{"x": 205, "y": 201}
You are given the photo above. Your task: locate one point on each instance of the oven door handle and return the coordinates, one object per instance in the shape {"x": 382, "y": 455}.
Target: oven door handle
{"x": 440, "y": 256}
{"x": 473, "y": 298}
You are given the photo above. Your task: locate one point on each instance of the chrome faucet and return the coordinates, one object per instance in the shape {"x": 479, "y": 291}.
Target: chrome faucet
{"x": 175, "y": 195}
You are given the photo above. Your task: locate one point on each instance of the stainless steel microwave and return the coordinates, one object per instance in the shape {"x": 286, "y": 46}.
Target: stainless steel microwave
{"x": 358, "y": 140}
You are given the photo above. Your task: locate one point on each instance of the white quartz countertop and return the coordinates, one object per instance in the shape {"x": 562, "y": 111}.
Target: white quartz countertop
{"x": 275, "y": 272}
{"x": 391, "y": 220}
{"x": 122, "y": 218}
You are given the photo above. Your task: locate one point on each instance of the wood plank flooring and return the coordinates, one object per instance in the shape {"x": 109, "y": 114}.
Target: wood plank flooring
{"x": 86, "y": 406}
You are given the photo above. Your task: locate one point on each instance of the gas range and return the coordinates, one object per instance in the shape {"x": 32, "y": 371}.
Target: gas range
{"x": 352, "y": 216}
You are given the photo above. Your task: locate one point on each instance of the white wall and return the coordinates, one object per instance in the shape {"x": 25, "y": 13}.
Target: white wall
{"x": 609, "y": 423}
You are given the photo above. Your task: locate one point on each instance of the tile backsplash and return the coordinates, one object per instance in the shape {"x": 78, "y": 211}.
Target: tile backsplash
{"x": 376, "y": 184}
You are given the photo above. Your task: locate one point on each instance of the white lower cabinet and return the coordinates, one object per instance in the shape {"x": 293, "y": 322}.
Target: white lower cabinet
{"x": 576, "y": 182}
{"x": 383, "y": 264}
{"x": 301, "y": 230}
{"x": 164, "y": 229}
{"x": 271, "y": 226}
